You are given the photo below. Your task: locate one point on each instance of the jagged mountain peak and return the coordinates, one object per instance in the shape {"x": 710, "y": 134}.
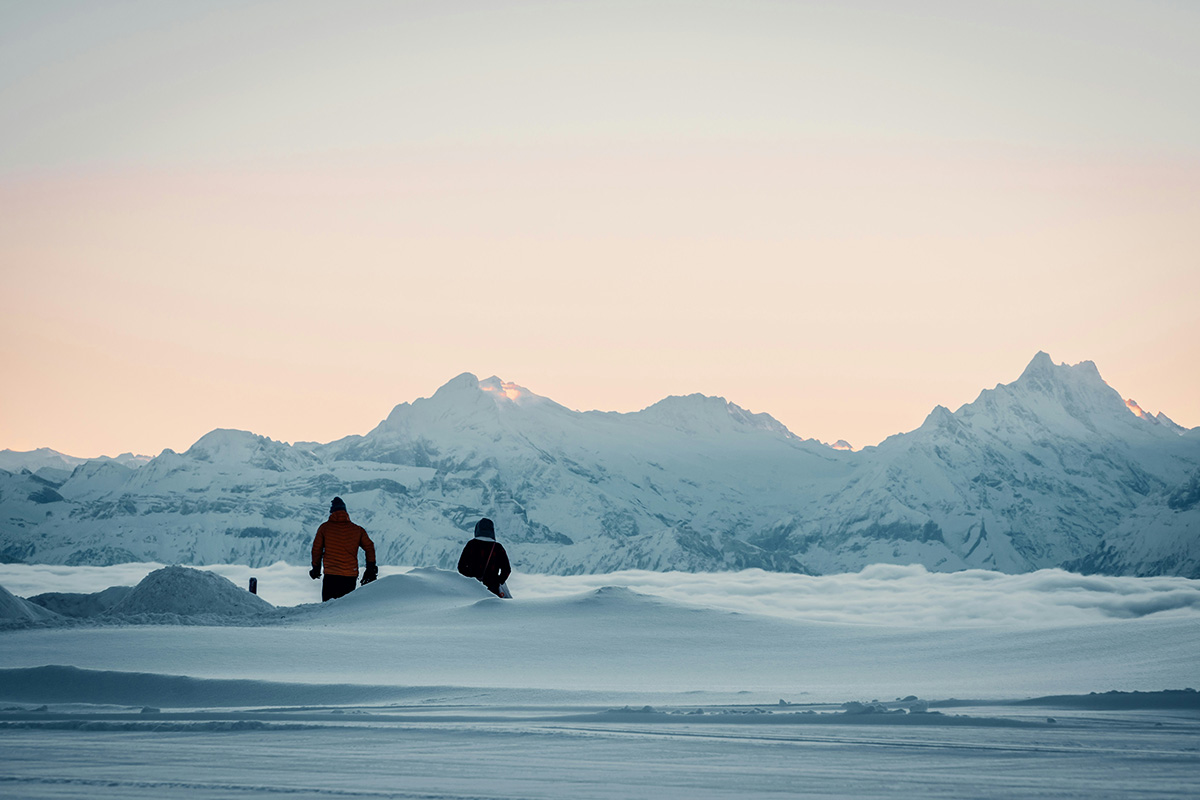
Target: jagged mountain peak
{"x": 694, "y": 401}
{"x": 507, "y": 392}
{"x": 226, "y": 441}
{"x": 231, "y": 446}
{"x": 1043, "y": 374}
{"x": 1051, "y": 396}
{"x": 464, "y": 400}
{"x": 1159, "y": 419}
{"x": 1040, "y": 364}
{"x": 460, "y": 396}
{"x": 465, "y": 383}
{"x": 1169, "y": 424}
{"x": 33, "y": 460}
{"x": 128, "y": 459}
{"x": 697, "y": 413}
{"x": 1137, "y": 411}
{"x": 99, "y": 466}
{"x": 939, "y": 417}
{"x": 45, "y": 458}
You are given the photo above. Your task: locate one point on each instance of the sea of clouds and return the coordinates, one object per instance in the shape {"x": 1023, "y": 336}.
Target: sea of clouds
{"x": 882, "y": 594}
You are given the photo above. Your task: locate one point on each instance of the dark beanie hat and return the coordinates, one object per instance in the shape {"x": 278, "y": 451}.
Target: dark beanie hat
{"x": 485, "y": 529}
{"x": 338, "y": 504}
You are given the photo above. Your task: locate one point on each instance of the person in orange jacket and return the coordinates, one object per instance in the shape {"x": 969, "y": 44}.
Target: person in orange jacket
{"x": 336, "y": 545}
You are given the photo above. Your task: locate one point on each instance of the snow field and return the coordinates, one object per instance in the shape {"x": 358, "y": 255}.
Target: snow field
{"x": 629, "y": 685}
{"x": 429, "y": 627}
{"x": 593, "y": 762}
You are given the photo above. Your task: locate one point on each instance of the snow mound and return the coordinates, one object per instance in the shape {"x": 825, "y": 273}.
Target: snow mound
{"x": 619, "y": 598}
{"x": 72, "y": 604}
{"x": 189, "y": 592}
{"x": 14, "y": 609}
{"x": 422, "y": 589}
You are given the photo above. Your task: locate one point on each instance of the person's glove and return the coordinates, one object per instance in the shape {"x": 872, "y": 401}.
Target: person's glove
{"x": 370, "y": 574}
{"x": 315, "y": 572}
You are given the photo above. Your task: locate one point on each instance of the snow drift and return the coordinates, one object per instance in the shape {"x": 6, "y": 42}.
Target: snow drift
{"x": 81, "y": 604}
{"x": 16, "y": 610}
{"x": 189, "y": 592}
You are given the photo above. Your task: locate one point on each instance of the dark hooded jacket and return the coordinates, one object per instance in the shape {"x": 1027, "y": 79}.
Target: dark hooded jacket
{"x": 484, "y": 559}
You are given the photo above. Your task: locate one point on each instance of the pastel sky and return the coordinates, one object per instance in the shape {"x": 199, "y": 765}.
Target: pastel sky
{"x": 287, "y": 217}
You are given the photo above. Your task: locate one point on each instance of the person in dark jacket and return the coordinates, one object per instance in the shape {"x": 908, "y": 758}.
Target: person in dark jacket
{"x": 336, "y": 546}
{"x": 484, "y": 559}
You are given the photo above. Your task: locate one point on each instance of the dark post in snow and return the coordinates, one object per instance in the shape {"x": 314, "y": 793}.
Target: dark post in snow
{"x": 254, "y": 586}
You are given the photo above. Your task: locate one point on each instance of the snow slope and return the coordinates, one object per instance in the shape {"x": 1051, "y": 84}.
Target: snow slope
{"x": 969, "y": 634}
{"x": 17, "y": 610}
{"x": 1051, "y": 470}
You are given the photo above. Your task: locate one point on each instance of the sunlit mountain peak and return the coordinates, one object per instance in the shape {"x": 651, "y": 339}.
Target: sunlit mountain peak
{"x": 1137, "y": 410}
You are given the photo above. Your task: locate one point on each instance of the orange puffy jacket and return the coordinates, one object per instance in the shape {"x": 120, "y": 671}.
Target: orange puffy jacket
{"x": 337, "y": 544}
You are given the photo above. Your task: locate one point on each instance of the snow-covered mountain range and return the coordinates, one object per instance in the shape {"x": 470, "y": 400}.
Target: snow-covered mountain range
{"x": 1054, "y": 469}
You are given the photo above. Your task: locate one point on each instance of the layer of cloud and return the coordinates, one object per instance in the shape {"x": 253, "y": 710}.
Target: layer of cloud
{"x": 882, "y": 594}
{"x": 910, "y": 595}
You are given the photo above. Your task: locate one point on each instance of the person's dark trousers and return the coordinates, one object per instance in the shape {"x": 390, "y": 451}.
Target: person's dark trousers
{"x": 335, "y": 586}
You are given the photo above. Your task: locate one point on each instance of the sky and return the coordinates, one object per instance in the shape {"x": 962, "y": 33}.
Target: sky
{"x": 288, "y": 217}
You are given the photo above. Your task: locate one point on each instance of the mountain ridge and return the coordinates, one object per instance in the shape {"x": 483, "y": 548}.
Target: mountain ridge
{"x": 1053, "y": 469}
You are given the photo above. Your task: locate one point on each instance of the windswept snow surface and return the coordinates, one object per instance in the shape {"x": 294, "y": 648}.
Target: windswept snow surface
{"x": 635, "y": 684}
